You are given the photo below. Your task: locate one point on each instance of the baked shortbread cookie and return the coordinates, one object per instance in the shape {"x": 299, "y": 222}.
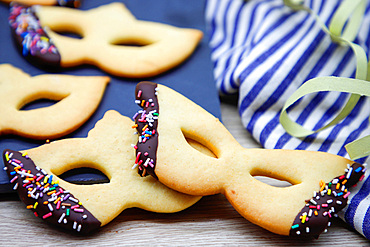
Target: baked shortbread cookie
{"x": 320, "y": 181}
{"x": 77, "y": 99}
{"x": 84, "y": 208}
{"x": 112, "y": 39}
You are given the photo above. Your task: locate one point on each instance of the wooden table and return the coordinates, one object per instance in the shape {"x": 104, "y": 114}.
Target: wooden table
{"x": 212, "y": 221}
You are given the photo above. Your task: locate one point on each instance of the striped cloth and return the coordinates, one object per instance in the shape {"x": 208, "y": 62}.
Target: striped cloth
{"x": 264, "y": 51}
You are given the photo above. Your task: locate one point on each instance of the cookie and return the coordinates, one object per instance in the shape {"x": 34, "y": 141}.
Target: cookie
{"x": 113, "y": 39}
{"x": 84, "y": 208}
{"x": 77, "y": 99}
{"x": 320, "y": 181}
{"x": 64, "y": 3}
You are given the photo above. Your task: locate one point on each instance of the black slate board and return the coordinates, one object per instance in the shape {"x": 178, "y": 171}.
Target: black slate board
{"x": 194, "y": 78}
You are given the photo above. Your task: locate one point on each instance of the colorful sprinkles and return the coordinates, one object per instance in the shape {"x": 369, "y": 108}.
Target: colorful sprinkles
{"x": 146, "y": 121}
{"x": 332, "y": 197}
{"x": 27, "y": 27}
{"x": 43, "y": 194}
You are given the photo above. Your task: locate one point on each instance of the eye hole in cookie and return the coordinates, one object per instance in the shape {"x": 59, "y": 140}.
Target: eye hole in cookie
{"x": 40, "y": 100}
{"x": 131, "y": 42}
{"x": 84, "y": 175}
{"x": 69, "y": 34}
{"x": 272, "y": 179}
{"x": 200, "y": 145}
{"x": 39, "y": 103}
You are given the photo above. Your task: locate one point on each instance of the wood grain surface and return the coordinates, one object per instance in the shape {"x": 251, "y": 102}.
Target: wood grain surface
{"x": 210, "y": 222}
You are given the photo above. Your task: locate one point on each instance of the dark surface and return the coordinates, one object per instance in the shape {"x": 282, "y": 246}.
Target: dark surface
{"x": 193, "y": 78}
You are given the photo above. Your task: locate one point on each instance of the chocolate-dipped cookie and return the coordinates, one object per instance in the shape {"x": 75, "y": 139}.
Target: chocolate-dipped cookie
{"x": 107, "y": 33}
{"x": 168, "y": 120}
{"x": 36, "y": 175}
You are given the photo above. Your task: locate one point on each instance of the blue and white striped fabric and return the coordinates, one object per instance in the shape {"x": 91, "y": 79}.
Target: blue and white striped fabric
{"x": 357, "y": 213}
{"x": 264, "y": 51}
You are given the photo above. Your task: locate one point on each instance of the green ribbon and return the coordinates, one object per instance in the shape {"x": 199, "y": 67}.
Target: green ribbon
{"x": 343, "y": 29}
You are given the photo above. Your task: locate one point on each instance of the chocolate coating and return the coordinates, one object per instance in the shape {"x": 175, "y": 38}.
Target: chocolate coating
{"x": 146, "y": 121}
{"x": 30, "y": 38}
{"x": 44, "y": 197}
{"x": 69, "y": 3}
{"x": 316, "y": 216}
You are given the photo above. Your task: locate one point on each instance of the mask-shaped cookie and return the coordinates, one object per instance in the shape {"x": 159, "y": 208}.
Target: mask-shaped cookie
{"x": 64, "y": 3}
{"x": 158, "y": 47}
{"x": 77, "y": 98}
{"x": 84, "y": 208}
{"x": 168, "y": 120}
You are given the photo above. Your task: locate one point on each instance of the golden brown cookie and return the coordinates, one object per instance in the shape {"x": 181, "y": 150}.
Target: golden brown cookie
{"x": 77, "y": 98}
{"x": 112, "y": 39}
{"x": 108, "y": 149}
{"x": 320, "y": 181}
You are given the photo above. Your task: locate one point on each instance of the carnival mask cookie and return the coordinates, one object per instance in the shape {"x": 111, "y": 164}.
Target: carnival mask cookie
{"x": 84, "y": 208}
{"x": 112, "y": 39}
{"x": 77, "y": 98}
{"x": 168, "y": 120}
{"x": 64, "y": 3}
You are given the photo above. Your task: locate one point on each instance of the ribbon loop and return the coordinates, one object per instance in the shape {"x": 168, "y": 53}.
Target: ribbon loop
{"x": 343, "y": 29}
